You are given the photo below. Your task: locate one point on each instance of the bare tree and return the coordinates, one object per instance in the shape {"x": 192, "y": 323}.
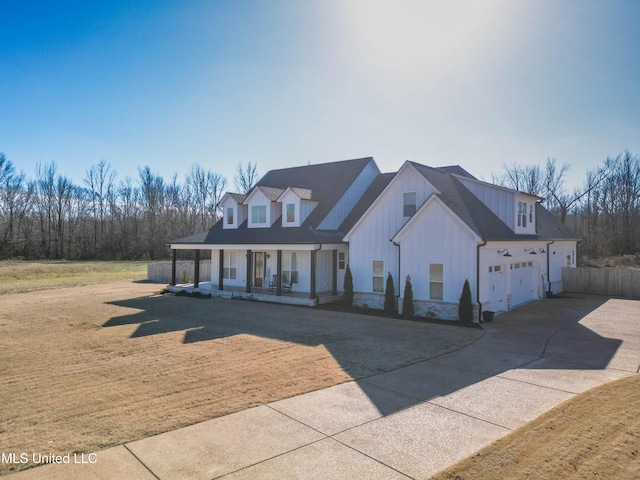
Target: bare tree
{"x": 246, "y": 177}
{"x": 100, "y": 179}
{"x": 207, "y": 188}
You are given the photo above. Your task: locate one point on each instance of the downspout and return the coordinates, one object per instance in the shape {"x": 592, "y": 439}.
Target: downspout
{"x": 548, "y": 277}
{"x": 398, "y": 295}
{"x": 484, "y": 242}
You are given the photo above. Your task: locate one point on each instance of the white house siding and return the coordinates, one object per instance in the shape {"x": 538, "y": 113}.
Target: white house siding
{"x": 561, "y": 254}
{"x": 349, "y": 199}
{"x": 371, "y": 239}
{"x": 437, "y": 237}
{"x": 500, "y": 201}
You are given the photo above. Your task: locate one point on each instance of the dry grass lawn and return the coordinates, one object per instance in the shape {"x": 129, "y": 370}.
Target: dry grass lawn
{"x": 25, "y": 276}
{"x": 595, "y": 435}
{"x": 69, "y": 384}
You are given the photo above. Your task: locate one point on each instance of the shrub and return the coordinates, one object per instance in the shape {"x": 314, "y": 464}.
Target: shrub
{"x": 348, "y": 288}
{"x": 465, "y": 307}
{"x": 407, "y": 301}
{"x": 389, "y": 296}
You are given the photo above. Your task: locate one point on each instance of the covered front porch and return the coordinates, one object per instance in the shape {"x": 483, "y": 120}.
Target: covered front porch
{"x": 257, "y": 294}
{"x": 297, "y": 274}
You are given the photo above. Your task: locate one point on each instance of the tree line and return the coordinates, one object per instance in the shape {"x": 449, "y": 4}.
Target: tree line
{"x": 604, "y": 211}
{"x": 50, "y": 217}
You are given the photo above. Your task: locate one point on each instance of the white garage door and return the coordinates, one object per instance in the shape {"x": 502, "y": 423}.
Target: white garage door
{"x": 522, "y": 283}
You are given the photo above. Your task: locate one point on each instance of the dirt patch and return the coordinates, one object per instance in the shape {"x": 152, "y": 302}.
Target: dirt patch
{"x": 91, "y": 367}
{"x": 595, "y": 435}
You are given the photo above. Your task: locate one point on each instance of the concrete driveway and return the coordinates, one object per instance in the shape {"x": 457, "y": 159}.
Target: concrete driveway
{"x": 410, "y": 422}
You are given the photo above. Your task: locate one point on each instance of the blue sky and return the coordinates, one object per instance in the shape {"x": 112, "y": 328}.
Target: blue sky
{"x": 290, "y": 82}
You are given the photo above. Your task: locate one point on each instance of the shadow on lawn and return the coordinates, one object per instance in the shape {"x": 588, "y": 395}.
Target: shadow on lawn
{"x": 365, "y": 346}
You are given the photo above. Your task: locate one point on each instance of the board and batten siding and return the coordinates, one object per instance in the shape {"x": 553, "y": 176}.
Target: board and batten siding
{"x": 500, "y": 201}
{"x": 371, "y": 239}
{"x": 437, "y": 237}
{"x": 349, "y": 199}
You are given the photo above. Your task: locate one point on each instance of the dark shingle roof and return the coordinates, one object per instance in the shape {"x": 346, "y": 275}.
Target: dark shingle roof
{"x": 325, "y": 183}
{"x": 480, "y": 218}
{"x": 457, "y": 170}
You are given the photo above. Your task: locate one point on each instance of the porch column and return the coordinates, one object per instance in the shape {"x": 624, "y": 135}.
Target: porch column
{"x": 196, "y": 270}
{"x": 173, "y": 267}
{"x": 279, "y": 273}
{"x": 334, "y": 273}
{"x": 312, "y": 288}
{"x": 249, "y": 264}
{"x": 221, "y": 270}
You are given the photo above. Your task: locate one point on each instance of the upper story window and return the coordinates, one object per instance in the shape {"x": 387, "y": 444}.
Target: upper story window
{"x": 259, "y": 214}
{"x": 291, "y": 212}
{"x": 409, "y": 203}
{"x": 230, "y": 216}
{"x": 522, "y": 214}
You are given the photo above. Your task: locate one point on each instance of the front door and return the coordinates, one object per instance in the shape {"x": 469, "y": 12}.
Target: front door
{"x": 259, "y": 261}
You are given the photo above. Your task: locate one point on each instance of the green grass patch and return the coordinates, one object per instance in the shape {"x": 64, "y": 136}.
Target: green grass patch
{"x": 26, "y": 276}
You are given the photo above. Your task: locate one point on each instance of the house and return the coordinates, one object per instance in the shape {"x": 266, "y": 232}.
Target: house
{"x": 299, "y": 228}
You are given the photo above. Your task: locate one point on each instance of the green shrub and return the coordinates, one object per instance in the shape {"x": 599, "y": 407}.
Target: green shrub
{"x": 348, "y": 288}
{"x": 465, "y": 307}
{"x": 389, "y": 296}
{"x": 407, "y": 301}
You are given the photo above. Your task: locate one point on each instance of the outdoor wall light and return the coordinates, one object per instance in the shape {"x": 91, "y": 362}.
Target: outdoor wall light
{"x": 531, "y": 251}
{"x": 506, "y": 252}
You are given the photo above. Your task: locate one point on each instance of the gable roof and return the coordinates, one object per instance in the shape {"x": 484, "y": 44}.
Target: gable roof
{"x": 457, "y": 170}
{"x": 325, "y": 183}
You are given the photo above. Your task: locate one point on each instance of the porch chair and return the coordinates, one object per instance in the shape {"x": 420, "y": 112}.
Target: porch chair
{"x": 273, "y": 284}
{"x": 286, "y": 287}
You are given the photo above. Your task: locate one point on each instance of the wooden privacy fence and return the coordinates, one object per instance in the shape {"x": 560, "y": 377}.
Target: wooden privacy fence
{"x": 161, "y": 272}
{"x": 617, "y": 282}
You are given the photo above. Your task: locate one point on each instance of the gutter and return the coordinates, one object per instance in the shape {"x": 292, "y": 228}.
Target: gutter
{"x": 480, "y": 245}
{"x": 398, "y": 295}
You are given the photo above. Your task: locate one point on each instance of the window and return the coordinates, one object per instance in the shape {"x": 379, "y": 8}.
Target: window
{"x": 436, "y": 281}
{"x": 342, "y": 260}
{"x": 530, "y": 213}
{"x": 409, "y": 203}
{"x": 378, "y": 275}
{"x": 290, "y": 268}
{"x": 259, "y": 214}
{"x": 230, "y": 216}
{"x": 522, "y": 214}
{"x": 229, "y": 267}
{"x": 291, "y": 212}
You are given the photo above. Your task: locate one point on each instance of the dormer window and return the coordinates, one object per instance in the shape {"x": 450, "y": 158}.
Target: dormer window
{"x": 291, "y": 212}
{"x": 522, "y": 214}
{"x": 259, "y": 214}
{"x": 230, "y": 216}
{"x": 409, "y": 203}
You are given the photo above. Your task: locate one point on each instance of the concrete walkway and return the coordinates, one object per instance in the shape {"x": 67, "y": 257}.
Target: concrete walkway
{"x": 408, "y": 423}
